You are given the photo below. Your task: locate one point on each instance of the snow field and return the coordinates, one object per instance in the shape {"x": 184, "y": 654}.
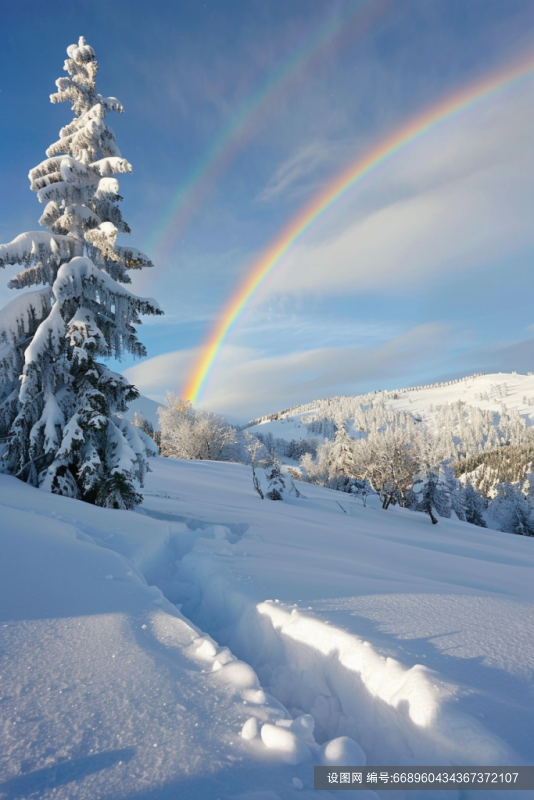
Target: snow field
{"x": 287, "y": 427}
{"x": 346, "y": 664}
{"x": 500, "y": 387}
{"x": 110, "y": 635}
{"x": 477, "y": 579}
{"x": 106, "y": 690}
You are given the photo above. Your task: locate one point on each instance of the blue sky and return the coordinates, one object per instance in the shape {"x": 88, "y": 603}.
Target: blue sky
{"x": 423, "y": 272}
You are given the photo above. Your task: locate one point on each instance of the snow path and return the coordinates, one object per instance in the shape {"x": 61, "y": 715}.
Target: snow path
{"x": 464, "y": 598}
{"x": 359, "y": 601}
{"x": 105, "y": 690}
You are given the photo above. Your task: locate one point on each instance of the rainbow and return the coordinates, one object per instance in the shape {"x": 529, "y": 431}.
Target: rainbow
{"x": 206, "y": 173}
{"x": 408, "y": 133}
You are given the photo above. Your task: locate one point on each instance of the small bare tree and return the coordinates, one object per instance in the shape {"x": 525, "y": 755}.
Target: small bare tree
{"x": 254, "y": 448}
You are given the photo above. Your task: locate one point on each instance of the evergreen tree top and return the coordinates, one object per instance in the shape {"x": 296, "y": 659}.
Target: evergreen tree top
{"x": 80, "y": 87}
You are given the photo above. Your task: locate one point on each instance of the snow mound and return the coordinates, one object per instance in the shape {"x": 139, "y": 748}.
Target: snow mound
{"x": 343, "y": 752}
{"x": 250, "y": 729}
{"x": 290, "y": 748}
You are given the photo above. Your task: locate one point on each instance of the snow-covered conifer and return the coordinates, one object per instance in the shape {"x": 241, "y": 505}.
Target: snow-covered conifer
{"x": 432, "y": 490}
{"x": 433, "y": 494}
{"x": 342, "y": 453}
{"x": 66, "y": 429}
{"x": 511, "y": 510}
{"x": 474, "y": 506}
{"x": 276, "y": 480}
{"x": 456, "y": 493}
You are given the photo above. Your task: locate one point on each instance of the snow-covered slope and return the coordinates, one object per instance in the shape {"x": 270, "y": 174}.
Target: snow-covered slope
{"x": 487, "y": 392}
{"x": 147, "y": 407}
{"x": 107, "y": 692}
{"x": 415, "y": 641}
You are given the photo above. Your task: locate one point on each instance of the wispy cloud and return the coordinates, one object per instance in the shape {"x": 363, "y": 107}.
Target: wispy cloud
{"x": 300, "y": 172}
{"x": 505, "y": 357}
{"x": 454, "y": 203}
{"x": 247, "y": 382}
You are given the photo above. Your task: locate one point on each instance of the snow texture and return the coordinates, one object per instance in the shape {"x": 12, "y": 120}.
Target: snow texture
{"x": 310, "y": 637}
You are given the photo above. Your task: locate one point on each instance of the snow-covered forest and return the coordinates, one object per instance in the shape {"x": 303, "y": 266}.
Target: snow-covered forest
{"x": 444, "y": 459}
{"x": 471, "y": 457}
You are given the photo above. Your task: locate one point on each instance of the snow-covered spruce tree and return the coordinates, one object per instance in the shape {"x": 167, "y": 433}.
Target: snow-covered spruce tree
{"x": 474, "y": 506}
{"x": 431, "y": 489}
{"x": 511, "y": 511}
{"x": 456, "y": 493}
{"x": 65, "y": 429}
{"x": 433, "y": 493}
{"x": 275, "y": 479}
{"x": 342, "y": 463}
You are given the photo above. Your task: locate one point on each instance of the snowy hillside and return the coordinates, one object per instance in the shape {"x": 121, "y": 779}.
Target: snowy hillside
{"x": 486, "y": 392}
{"x": 145, "y": 406}
{"x": 402, "y": 642}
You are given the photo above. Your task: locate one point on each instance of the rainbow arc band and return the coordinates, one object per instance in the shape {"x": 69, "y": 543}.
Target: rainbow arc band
{"x": 229, "y": 141}
{"x": 389, "y": 147}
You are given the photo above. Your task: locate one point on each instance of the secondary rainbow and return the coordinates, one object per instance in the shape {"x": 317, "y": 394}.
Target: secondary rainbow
{"x": 230, "y": 139}
{"x": 358, "y": 169}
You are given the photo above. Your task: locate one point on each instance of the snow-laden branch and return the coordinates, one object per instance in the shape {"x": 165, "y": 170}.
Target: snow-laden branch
{"x": 35, "y": 246}
{"x": 48, "y": 338}
{"x": 133, "y": 258}
{"x": 71, "y": 171}
{"x": 110, "y": 103}
{"x": 16, "y": 316}
{"x": 74, "y": 276}
{"x": 111, "y": 166}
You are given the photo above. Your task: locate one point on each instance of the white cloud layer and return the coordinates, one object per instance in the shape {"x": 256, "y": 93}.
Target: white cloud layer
{"x": 246, "y": 383}
{"x": 458, "y": 199}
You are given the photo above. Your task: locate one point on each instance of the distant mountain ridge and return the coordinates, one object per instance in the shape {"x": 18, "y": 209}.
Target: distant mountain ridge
{"x": 492, "y": 392}
{"x": 305, "y": 407}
